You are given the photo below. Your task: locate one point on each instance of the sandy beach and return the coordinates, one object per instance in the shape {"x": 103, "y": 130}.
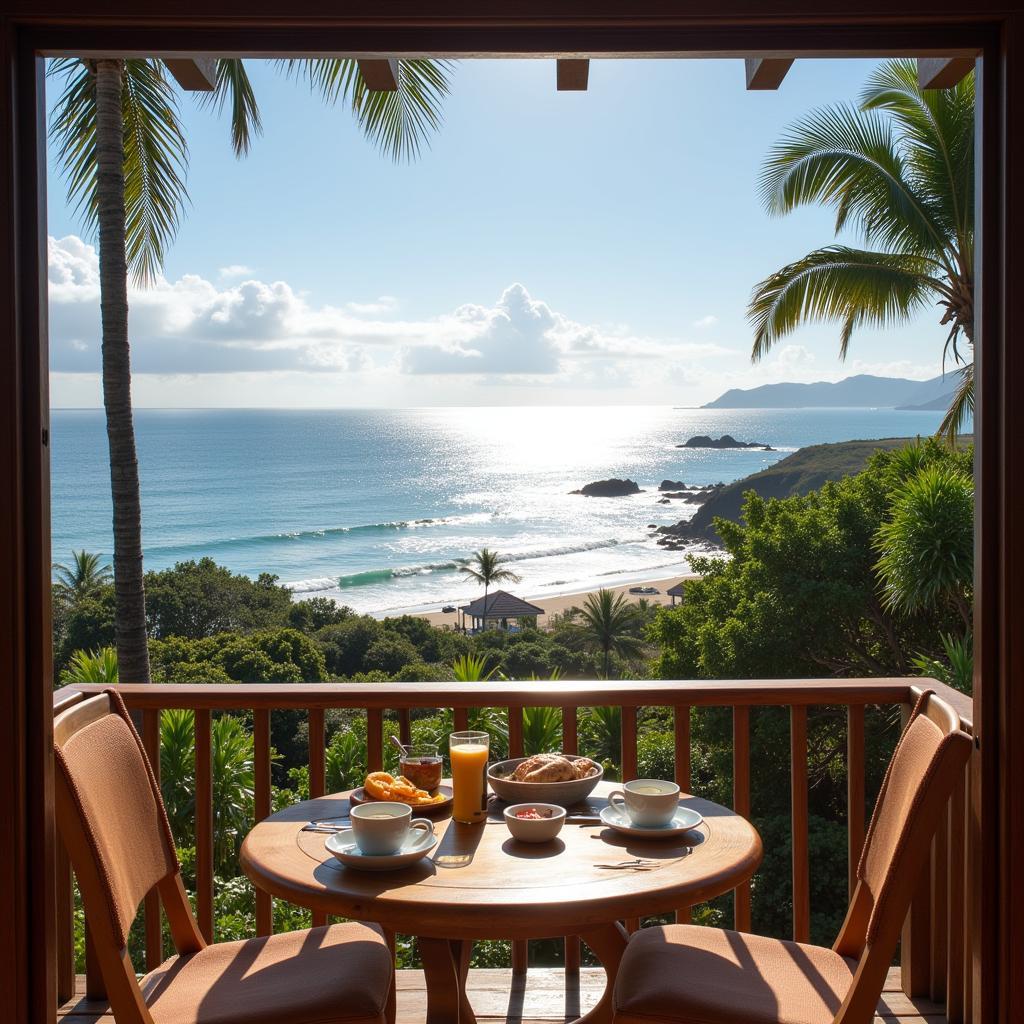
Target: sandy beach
{"x": 553, "y": 604}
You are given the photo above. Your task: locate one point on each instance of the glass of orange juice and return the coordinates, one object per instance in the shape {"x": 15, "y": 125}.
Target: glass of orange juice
{"x": 468, "y": 752}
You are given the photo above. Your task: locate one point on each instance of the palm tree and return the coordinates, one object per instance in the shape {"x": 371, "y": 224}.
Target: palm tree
{"x": 486, "y": 567}
{"x": 82, "y": 578}
{"x": 611, "y": 623}
{"x": 123, "y": 151}
{"x": 906, "y": 183}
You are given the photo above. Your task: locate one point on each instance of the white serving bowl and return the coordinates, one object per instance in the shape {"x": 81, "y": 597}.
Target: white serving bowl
{"x": 565, "y": 794}
{"x": 535, "y": 830}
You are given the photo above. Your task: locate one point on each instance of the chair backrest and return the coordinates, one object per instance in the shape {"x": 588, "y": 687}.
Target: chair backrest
{"x": 111, "y": 817}
{"x": 927, "y": 765}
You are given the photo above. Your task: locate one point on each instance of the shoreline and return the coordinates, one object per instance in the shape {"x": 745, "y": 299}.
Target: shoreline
{"x": 555, "y": 604}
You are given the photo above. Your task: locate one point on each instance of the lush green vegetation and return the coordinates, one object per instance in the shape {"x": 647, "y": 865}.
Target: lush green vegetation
{"x": 869, "y": 575}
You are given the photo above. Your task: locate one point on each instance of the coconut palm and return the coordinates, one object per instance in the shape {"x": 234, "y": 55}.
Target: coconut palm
{"x": 899, "y": 168}
{"x": 82, "y": 578}
{"x": 611, "y": 624}
{"x": 487, "y": 567}
{"x": 122, "y": 149}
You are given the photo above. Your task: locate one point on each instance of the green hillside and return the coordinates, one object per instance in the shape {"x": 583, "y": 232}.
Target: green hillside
{"x": 803, "y": 471}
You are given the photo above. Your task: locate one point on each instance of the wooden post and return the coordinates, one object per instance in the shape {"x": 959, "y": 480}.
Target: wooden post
{"x": 261, "y": 807}
{"x": 741, "y": 801}
{"x": 798, "y": 815}
{"x": 854, "y": 790}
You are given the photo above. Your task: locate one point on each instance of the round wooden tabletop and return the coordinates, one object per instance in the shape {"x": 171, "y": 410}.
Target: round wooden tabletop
{"x": 480, "y": 883}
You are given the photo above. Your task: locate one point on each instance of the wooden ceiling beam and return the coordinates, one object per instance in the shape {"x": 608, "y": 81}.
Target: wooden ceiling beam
{"x": 943, "y": 72}
{"x": 380, "y": 75}
{"x": 194, "y": 74}
{"x": 767, "y": 72}
{"x": 572, "y": 74}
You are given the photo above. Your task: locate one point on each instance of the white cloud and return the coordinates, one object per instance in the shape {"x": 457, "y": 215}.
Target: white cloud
{"x": 794, "y": 358}
{"x": 706, "y": 321}
{"x": 384, "y": 304}
{"x": 233, "y": 270}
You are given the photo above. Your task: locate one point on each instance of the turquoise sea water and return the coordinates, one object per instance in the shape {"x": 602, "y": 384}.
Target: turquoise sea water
{"x": 375, "y": 508}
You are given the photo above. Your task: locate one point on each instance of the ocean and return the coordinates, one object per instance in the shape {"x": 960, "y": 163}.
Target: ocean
{"x": 377, "y": 508}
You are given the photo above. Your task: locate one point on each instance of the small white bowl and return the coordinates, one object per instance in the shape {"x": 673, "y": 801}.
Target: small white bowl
{"x": 535, "y": 830}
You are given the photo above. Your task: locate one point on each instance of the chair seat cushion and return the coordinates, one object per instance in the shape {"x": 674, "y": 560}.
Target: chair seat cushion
{"x": 341, "y": 973}
{"x": 692, "y": 975}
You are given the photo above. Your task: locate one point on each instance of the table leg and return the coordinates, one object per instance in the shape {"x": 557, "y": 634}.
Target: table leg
{"x": 445, "y": 967}
{"x": 608, "y": 943}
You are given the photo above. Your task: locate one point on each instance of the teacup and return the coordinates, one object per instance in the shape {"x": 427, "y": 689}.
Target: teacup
{"x": 381, "y": 828}
{"x": 646, "y": 802}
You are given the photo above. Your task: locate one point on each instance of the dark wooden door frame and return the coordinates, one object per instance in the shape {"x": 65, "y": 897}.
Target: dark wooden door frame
{"x": 528, "y": 28}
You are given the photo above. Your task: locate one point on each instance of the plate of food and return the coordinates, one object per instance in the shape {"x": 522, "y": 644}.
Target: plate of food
{"x": 383, "y": 786}
{"x": 563, "y": 779}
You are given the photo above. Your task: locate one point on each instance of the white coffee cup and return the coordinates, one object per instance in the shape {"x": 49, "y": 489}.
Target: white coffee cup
{"x": 646, "y": 802}
{"x": 380, "y": 828}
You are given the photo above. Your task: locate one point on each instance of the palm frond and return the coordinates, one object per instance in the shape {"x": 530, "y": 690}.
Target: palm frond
{"x": 837, "y": 283}
{"x": 234, "y": 89}
{"x": 397, "y": 122}
{"x": 937, "y": 132}
{"x": 961, "y": 407}
{"x": 848, "y": 159}
{"x": 155, "y": 155}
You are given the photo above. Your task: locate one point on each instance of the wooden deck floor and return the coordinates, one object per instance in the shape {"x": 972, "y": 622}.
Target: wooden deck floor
{"x": 544, "y": 996}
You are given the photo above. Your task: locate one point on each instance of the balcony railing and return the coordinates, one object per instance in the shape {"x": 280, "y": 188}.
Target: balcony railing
{"x": 935, "y": 960}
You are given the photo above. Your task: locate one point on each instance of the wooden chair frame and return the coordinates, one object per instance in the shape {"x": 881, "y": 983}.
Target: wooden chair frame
{"x": 875, "y": 957}
{"x": 115, "y": 964}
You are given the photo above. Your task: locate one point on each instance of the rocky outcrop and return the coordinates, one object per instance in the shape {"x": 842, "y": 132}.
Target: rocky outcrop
{"x": 613, "y": 488}
{"x": 725, "y": 441}
{"x": 672, "y": 485}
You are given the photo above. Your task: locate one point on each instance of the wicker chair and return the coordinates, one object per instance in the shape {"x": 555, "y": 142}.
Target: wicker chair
{"x": 112, "y": 820}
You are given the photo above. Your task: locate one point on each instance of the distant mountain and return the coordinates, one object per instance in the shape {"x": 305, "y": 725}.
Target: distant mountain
{"x": 860, "y": 392}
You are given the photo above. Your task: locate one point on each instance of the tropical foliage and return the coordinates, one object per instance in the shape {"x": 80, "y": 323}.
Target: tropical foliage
{"x": 610, "y": 621}
{"x": 898, "y": 169}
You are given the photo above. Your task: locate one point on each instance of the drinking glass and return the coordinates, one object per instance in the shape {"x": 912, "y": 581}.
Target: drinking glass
{"x": 468, "y": 752}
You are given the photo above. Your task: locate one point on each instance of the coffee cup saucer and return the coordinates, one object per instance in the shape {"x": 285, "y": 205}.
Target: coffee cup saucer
{"x": 417, "y": 844}
{"x": 684, "y": 819}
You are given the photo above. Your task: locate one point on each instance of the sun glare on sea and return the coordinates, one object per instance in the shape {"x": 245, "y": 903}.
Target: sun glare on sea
{"x": 571, "y": 437}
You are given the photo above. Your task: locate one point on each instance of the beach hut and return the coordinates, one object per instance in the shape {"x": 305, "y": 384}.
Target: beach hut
{"x": 676, "y": 591}
{"x": 502, "y": 609}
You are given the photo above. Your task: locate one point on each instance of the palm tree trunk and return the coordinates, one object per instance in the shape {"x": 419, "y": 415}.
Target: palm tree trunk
{"x": 130, "y": 596}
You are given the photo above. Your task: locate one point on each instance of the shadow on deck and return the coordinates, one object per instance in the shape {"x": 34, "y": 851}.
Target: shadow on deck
{"x": 544, "y": 995}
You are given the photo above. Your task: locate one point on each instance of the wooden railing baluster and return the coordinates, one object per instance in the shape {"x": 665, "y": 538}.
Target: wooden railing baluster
{"x": 95, "y": 987}
{"x": 741, "y": 802}
{"x": 956, "y": 926}
{"x": 629, "y": 765}
{"x": 681, "y": 722}
{"x": 520, "y": 947}
{"x": 515, "y": 732}
{"x": 375, "y": 739}
{"x": 261, "y": 806}
{"x": 318, "y": 772}
{"x": 204, "y": 825}
{"x": 154, "y": 935}
{"x": 65, "y": 931}
{"x": 798, "y": 815}
{"x": 854, "y": 790}
{"x": 570, "y": 745}
{"x": 460, "y": 718}
{"x": 940, "y": 911}
{"x": 915, "y": 945}
{"x": 404, "y": 726}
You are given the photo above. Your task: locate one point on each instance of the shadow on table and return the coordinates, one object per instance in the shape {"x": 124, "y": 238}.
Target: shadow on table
{"x": 458, "y": 845}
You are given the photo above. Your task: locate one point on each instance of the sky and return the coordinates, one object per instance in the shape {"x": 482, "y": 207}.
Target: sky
{"x": 548, "y": 248}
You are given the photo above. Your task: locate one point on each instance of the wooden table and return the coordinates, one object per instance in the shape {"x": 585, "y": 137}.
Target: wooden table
{"x": 480, "y": 883}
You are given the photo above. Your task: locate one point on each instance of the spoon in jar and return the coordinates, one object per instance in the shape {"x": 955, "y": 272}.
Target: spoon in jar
{"x": 398, "y": 743}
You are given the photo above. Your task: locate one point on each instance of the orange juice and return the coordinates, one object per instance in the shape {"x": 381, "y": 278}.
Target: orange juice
{"x": 469, "y": 752}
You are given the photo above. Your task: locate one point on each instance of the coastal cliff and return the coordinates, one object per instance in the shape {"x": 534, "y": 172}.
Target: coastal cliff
{"x": 803, "y": 471}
